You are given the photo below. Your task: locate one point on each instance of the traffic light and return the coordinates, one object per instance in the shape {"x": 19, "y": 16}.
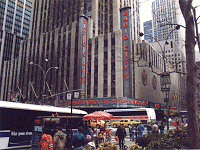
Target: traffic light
{"x": 175, "y": 97}
{"x": 82, "y": 94}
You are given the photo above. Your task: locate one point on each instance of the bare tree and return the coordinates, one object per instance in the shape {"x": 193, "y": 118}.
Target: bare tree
{"x": 193, "y": 128}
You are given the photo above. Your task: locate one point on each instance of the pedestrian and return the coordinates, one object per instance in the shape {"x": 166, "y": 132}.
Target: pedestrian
{"x": 155, "y": 128}
{"x": 133, "y": 130}
{"x": 149, "y": 128}
{"x": 78, "y": 140}
{"x": 46, "y": 142}
{"x": 108, "y": 137}
{"x": 140, "y": 129}
{"x": 121, "y": 133}
{"x": 136, "y": 131}
{"x": 130, "y": 132}
{"x": 162, "y": 127}
{"x": 89, "y": 131}
{"x": 69, "y": 135}
{"x": 177, "y": 122}
{"x": 59, "y": 139}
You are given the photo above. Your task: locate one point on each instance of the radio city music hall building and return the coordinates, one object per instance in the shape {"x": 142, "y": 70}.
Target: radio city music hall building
{"x": 108, "y": 68}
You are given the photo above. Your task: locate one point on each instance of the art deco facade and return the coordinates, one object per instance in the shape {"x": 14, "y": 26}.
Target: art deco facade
{"x": 97, "y": 60}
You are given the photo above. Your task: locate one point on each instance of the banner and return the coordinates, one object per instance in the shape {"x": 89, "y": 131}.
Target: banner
{"x": 127, "y": 49}
{"x": 83, "y": 49}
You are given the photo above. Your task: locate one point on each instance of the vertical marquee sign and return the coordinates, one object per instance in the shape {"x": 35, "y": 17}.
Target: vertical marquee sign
{"x": 83, "y": 48}
{"x": 126, "y": 45}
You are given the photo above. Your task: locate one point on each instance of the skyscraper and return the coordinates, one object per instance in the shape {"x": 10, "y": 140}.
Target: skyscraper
{"x": 14, "y": 27}
{"x": 94, "y": 45}
{"x": 166, "y": 15}
{"x": 15, "y": 16}
{"x": 48, "y": 15}
{"x": 148, "y": 34}
{"x": 56, "y": 35}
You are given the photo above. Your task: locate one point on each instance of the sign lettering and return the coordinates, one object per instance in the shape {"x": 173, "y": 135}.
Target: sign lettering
{"x": 126, "y": 43}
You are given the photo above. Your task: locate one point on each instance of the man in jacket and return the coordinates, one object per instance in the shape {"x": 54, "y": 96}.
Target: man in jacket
{"x": 59, "y": 139}
{"x": 149, "y": 128}
{"x": 78, "y": 140}
{"x": 89, "y": 131}
{"x": 155, "y": 128}
{"x": 121, "y": 133}
{"x": 140, "y": 130}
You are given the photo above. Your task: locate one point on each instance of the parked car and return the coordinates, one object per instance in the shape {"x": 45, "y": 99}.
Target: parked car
{"x": 125, "y": 122}
{"x": 97, "y": 124}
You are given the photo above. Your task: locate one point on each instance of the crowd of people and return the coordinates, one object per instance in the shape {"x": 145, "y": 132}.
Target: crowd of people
{"x": 83, "y": 139}
{"x": 137, "y": 130}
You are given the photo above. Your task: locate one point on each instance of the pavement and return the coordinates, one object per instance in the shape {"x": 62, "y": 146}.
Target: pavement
{"x": 127, "y": 139}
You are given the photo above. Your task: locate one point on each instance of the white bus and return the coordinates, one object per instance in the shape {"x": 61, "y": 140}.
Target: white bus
{"x": 17, "y": 121}
{"x": 144, "y": 115}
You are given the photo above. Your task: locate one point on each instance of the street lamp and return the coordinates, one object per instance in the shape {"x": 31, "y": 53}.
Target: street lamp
{"x": 45, "y": 75}
{"x": 165, "y": 76}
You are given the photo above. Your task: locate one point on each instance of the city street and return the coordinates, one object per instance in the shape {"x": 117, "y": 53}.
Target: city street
{"x": 127, "y": 139}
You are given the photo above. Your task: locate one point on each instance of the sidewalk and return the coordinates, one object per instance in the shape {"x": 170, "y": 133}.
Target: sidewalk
{"x": 127, "y": 141}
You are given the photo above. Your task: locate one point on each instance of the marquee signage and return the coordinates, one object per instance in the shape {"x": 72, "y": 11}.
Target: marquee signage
{"x": 110, "y": 101}
{"x": 83, "y": 47}
{"x": 115, "y": 103}
{"x": 126, "y": 45}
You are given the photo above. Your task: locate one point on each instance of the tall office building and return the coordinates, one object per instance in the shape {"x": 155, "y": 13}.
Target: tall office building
{"x": 49, "y": 15}
{"x": 56, "y": 35}
{"x": 166, "y": 14}
{"x": 148, "y": 34}
{"x": 92, "y": 43}
{"x": 15, "y": 16}
{"x": 14, "y": 27}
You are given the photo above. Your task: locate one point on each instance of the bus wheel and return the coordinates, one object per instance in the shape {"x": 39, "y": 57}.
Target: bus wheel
{"x": 115, "y": 126}
{"x": 98, "y": 126}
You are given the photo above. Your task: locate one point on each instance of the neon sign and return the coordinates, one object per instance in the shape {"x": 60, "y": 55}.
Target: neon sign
{"x": 126, "y": 44}
{"x": 83, "y": 48}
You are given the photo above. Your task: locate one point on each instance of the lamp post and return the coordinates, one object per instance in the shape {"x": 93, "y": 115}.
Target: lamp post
{"x": 45, "y": 75}
{"x": 165, "y": 76}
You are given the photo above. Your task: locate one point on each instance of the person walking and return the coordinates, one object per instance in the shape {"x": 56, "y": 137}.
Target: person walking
{"x": 162, "y": 127}
{"x": 130, "y": 131}
{"x": 121, "y": 133}
{"x": 46, "y": 142}
{"x": 149, "y": 128}
{"x": 140, "y": 130}
{"x": 78, "y": 140}
{"x": 155, "y": 128}
{"x": 136, "y": 131}
{"x": 69, "y": 134}
{"x": 133, "y": 130}
{"x": 59, "y": 139}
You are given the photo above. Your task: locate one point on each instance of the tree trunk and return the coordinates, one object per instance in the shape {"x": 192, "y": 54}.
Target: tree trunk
{"x": 191, "y": 84}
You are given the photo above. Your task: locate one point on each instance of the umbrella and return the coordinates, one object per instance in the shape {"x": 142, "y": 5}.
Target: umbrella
{"x": 98, "y": 115}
